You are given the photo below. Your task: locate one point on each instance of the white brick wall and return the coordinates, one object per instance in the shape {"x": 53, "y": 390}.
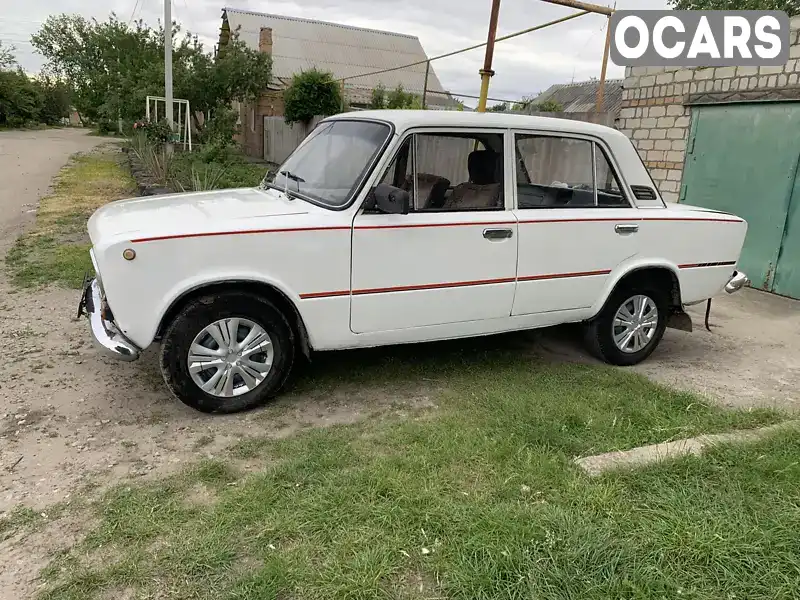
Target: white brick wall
{"x": 655, "y": 117}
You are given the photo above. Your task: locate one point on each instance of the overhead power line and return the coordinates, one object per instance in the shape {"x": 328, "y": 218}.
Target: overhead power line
{"x": 468, "y": 48}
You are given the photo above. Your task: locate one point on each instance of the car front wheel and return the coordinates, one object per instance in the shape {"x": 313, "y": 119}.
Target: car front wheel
{"x": 629, "y": 327}
{"x": 227, "y": 352}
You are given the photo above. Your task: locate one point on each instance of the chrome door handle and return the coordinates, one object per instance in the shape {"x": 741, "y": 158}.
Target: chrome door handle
{"x": 624, "y": 228}
{"x": 497, "y": 234}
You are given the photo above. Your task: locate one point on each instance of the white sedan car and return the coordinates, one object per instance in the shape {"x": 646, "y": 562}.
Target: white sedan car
{"x": 389, "y": 227}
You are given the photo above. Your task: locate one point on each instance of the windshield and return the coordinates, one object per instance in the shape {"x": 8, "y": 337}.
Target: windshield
{"x": 329, "y": 166}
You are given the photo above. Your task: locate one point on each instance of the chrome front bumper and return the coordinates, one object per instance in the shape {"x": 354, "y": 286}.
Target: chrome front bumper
{"x": 737, "y": 281}
{"x": 105, "y": 335}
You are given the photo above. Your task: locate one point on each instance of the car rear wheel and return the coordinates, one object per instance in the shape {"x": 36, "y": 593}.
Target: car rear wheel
{"x": 225, "y": 353}
{"x": 629, "y": 327}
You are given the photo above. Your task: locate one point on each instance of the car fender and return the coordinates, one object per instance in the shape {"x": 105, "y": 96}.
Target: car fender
{"x": 198, "y": 281}
{"x": 625, "y": 268}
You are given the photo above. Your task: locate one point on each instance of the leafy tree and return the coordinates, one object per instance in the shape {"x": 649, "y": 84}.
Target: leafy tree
{"x": 528, "y": 104}
{"x": 112, "y": 67}
{"x": 398, "y": 98}
{"x": 502, "y": 107}
{"x": 792, "y": 7}
{"x": 7, "y": 58}
{"x": 56, "y": 98}
{"x": 20, "y": 99}
{"x": 311, "y": 93}
{"x": 378, "y": 99}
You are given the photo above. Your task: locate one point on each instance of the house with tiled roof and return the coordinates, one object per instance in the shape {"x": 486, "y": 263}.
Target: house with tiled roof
{"x": 581, "y": 97}
{"x": 348, "y": 52}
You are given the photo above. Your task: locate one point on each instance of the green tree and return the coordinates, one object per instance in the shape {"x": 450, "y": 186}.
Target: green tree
{"x": 502, "y": 107}
{"x": 7, "y": 58}
{"x": 792, "y": 7}
{"x": 398, "y": 98}
{"x": 112, "y": 67}
{"x": 310, "y": 94}
{"x": 20, "y": 99}
{"x": 378, "y": 99}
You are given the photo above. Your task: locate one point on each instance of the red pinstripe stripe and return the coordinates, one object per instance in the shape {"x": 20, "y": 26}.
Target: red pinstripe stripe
{"x": 564, "y": 275}
{"x": 242, "y": 232}
{"x": 729, "y": 263}
{"x": 620, "y": 219}
{"x": 417, "y": 225}
{"x": 453, "y": 284}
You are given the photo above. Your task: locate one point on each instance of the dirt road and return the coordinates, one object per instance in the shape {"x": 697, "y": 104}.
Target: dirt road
{"x": 28, "y": 162}
{"x": 69, "y": 417}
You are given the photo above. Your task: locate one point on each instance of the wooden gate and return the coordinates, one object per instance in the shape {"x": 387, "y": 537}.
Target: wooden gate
{"x": 281, "y": 139}
{"x": 743, "y": 158}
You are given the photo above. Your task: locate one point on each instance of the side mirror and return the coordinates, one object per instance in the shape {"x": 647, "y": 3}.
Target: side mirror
{"x": 389, "y": 199}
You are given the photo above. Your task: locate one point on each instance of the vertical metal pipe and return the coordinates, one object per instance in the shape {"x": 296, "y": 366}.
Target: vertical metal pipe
{"x": 341, "y": 93}
{"x": 487, "y": 72}
{"x": 425, "y": 85}
{"x": 601, "y": 89}
{"x": 168, "y": 65}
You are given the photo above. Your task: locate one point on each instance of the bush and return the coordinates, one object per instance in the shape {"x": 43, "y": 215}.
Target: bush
{"x": 310, "y": 94}
{"x": 20, "y": 99}
{"x": 157, "y": 132}
{"x": 218, "y": 134}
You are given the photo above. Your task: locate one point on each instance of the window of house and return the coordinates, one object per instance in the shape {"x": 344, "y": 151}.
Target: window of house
{"x": 450, "y": 171}
{"x": 252, "y": 119}
{"x": 561, "y": 172}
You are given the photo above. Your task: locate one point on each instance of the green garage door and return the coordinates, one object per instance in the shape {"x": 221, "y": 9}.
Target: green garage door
{"x": 743, "y": 158}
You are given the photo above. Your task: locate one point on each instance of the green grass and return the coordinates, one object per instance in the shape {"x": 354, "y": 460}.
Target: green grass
{"x": 475, "y": 498}
{"x": 56, "y": 249}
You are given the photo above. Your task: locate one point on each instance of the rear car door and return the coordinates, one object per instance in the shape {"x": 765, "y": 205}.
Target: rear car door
{"x": 453, "y": 257}
{"x": 576, "y": 224}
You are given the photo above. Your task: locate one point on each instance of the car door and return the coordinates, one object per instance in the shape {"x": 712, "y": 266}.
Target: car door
{"x": 453, "y": 257}
{"x": 576, "y": 224}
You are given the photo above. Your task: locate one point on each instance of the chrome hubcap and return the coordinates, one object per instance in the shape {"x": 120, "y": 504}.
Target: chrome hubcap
{"x": 230, "y": 357}
{"x": 635, "y": 324}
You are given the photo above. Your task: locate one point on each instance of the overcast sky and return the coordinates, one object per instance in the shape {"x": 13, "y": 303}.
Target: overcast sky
{"x": 524, "y": 66}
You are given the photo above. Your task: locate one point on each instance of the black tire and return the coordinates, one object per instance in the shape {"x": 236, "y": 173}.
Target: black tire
{"x": 201, "y": 312}
{"x": 599, "y": 334}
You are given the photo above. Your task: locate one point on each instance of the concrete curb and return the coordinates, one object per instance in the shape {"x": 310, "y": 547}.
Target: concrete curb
{"x": 647, "y": 455}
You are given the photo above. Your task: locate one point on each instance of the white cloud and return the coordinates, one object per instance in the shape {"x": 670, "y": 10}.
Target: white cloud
{"x": 524, "y": 66}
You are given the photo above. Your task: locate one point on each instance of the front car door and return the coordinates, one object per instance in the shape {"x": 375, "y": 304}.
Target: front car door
{"x": 453, "y": 257}
{"x": 576, "y": 224}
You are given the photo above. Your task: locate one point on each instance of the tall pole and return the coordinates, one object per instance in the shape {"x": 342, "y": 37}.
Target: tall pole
{"x": 425, "y": 85}
{"x": 168, "y": 65}
{"x": 486, "y": 72}
{"x": 601, "y": 89}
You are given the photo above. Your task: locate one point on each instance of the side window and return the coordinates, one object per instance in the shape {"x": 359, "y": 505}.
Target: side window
{"x": 559, "y": 172}
{"x": 450, "y": 172}
{"x": 609, "y": 191}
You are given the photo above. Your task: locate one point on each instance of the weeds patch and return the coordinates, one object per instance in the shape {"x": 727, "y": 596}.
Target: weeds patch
{"x": 56, "y": 248}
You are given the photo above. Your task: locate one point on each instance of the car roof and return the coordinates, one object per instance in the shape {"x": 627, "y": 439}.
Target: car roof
{"x": 405, "y": 119}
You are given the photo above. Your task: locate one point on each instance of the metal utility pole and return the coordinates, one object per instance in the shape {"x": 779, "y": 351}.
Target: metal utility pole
{"x": 601, "y": 89}
{"x": 486, "y": 72}
{"x": 168, "y": 66}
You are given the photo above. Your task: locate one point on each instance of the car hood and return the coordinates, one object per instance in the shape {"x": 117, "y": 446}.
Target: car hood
{"x": 194, "y": 213}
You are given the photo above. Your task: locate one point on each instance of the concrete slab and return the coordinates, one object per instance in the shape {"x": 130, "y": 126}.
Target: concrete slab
{"x": 648, "y": 455}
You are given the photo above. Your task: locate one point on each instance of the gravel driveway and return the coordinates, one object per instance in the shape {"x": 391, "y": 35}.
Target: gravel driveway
{"x": 69, "y": 417}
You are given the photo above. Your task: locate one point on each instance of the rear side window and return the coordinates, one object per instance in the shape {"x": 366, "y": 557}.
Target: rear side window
{"x": 562, "y": 172}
